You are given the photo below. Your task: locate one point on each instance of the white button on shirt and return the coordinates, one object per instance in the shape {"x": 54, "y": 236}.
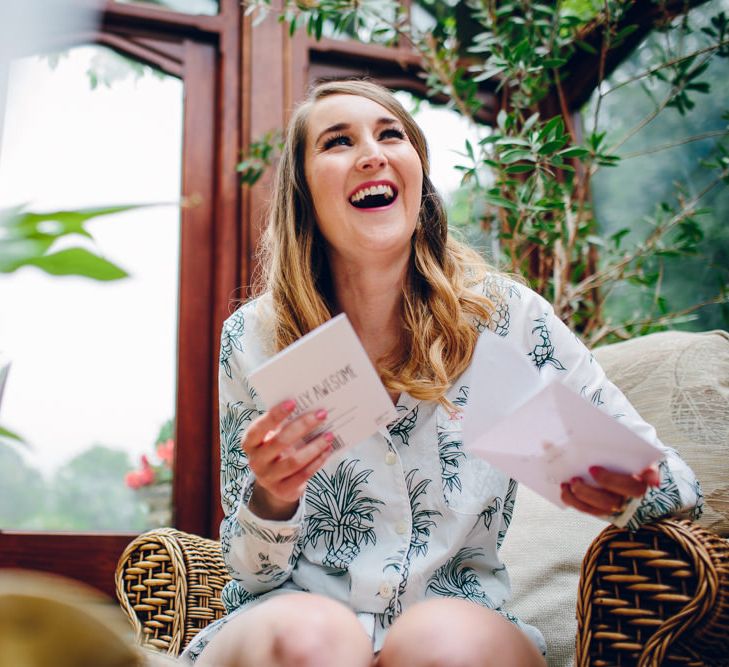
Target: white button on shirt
{"x": 390, "y": 458}
{"x": 386, "y": 589}
{"x": 401, "y": 527}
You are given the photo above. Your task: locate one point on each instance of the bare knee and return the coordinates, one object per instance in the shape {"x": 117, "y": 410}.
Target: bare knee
{"x": 299, "y": 646}
{"x": 458, "y": 634}
{"x": 298, "y": 630}
{"x": 317, "y": 625}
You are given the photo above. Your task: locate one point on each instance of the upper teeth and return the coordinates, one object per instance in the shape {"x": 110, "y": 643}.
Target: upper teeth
{"x": 385, "y": 190}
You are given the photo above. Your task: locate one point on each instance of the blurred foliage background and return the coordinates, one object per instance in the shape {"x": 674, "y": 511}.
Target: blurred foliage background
{"x": 629, "y": 194}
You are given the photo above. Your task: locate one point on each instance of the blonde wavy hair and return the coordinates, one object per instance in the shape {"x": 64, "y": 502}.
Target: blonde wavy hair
{"x": 440, "y": 311}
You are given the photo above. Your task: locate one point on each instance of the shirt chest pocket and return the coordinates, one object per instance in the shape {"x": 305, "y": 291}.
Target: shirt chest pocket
{"x": 470, "y": 484}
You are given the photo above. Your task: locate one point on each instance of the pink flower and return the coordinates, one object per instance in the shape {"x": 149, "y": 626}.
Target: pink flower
{"x": 146, "y": 474}
{"x": 132, "y": 479}
{"x": 166, "y": 452}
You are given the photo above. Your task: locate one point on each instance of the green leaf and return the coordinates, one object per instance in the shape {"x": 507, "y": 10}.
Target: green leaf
{"x": 540, "y": 8}
{"x": 501, "y": 201}
{"x": 9, "y": 435}
{"x": 489, "y": 73}
{"x": 71, "y": 221}
{"x": 596, "y": 139}
{"x": 553, "y": 125}
{"x": 699, "y": 86}
{"x": 627, "y": 30}
{"x": 608, "y": 160}
{"x": 14, "y": 253}
{"x": 617, "y": 237}
{"x": 501, "y": 119}
{"x": 574, "y": 151}
{"x": 515, "y": 155}
{"x": 512, "y": 141}
{"x": 78, "y": 262}
{"x": 519, "y": 168}
{"x": 551, "y": 146}
{"x": 595, "y": 240}
{"x": 529, "y": 123}
{"x": 586, "y": 47}
{"x": 26, "y": 236}
{"x": 698, "y": 71}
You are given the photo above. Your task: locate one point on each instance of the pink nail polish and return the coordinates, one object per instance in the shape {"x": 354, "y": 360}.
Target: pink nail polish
{"x": 575, "y": 479}
{"x": 289, "y": 405}
{"x": 321, "y": 414}
{"x": 328, "y": 436}
{"x": 594, "y": 470}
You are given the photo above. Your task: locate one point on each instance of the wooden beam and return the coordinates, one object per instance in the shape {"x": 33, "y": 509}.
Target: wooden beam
{"x": 159, "y": 19}
{"x": 227, "y": 230}
{"x": 398, "y": 69}
{"x": 192, "y": 481}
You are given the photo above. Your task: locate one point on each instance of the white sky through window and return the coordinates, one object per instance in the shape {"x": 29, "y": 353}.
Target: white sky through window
{"x": 92, "y": 362}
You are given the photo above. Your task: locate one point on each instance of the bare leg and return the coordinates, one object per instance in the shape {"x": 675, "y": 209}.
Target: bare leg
{"x": 456, "y": 633}
{"x": 298, "y": 630}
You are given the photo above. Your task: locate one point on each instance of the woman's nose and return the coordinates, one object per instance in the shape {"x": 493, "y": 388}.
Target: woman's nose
{"x": 372, "y": 157}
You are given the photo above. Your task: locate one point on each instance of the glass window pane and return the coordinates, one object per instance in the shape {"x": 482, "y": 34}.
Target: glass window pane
{"x": 208, "y": 7}
{"x": 91, "y": 386}
{"x": 446, "y": 131}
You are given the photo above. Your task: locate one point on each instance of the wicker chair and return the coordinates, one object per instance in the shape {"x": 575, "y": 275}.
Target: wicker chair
{"x": 659, "y": 596}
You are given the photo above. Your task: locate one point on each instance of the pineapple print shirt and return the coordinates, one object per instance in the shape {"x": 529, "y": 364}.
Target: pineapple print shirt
{"x": 407, "y": 514}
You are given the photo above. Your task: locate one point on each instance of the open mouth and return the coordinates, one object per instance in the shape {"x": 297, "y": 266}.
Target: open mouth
{"x": 374, "y": 196}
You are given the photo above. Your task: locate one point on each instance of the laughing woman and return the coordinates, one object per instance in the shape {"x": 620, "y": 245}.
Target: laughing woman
{"x": 390, "y": 555}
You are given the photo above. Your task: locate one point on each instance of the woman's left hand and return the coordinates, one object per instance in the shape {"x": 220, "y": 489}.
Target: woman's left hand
{"x": 610, "y": 491}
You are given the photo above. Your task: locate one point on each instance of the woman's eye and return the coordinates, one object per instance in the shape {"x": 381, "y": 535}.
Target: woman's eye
{"x": 338, "y": 140}
{"x": 392, "y": 133}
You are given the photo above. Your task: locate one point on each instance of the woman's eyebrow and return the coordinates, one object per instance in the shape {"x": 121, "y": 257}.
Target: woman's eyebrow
{"x": 341, "y": 127}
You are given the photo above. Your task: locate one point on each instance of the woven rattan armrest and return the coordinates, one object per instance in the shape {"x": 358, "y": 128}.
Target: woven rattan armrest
{"x": 169, "y": 584}
{"x": 658, "y": 596}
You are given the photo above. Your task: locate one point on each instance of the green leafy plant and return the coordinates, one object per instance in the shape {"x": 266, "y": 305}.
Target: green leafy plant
{"x": 533, "y": 170}
{"x": 260, "y": 155}
{"x": 28, "y": 238}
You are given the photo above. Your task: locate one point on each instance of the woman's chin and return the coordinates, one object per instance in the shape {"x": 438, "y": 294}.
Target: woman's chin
{"x": 376, "y": 248}
{"x": 385, "y": 240}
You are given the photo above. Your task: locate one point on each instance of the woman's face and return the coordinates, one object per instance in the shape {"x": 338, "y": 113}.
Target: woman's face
{"x": 365, "y": 178}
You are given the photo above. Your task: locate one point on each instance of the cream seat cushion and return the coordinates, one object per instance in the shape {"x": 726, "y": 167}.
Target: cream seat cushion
{"x": 679, "y": 382}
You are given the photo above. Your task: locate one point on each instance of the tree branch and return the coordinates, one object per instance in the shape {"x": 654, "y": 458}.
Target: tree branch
{"x": 673, "y": 144}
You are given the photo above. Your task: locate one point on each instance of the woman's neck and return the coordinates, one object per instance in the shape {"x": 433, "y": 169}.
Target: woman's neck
{"x": 372, "y": 299}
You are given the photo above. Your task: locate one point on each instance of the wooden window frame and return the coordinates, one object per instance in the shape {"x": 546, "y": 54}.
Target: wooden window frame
{"x": 206, "y": 53}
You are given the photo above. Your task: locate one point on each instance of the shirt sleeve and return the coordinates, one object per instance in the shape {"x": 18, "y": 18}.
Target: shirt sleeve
{"x": 556, "y": 350}
{"x": 259, "y": 553}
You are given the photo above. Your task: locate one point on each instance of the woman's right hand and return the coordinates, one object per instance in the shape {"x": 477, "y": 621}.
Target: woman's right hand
{"x": 281, "y": 461}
